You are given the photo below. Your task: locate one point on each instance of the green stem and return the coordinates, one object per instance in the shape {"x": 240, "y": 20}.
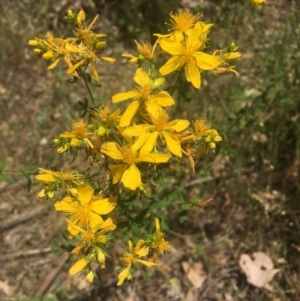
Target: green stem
{"x": 176, "y": 83}
{"x": 82, "y": 72}
{"x": 89, "y": 90}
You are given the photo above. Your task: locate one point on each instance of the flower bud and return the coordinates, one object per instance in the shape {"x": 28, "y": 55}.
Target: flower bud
{"x": 100, "y": 45}
{"x": 70, "y": 14}
{"x": 101, "y": 131}
{"x": 90, "y": 277}
{"x": 48, "y": 55}
{"x": 75, "y": 142}
{"x": 33, "y": 42}
{"x": 50, "y": 194}
{"x": 63, "y": 148}
{"x": 80, "y": 18}
{"x": 41, "y": 194}
{"x": 37, "y": 51}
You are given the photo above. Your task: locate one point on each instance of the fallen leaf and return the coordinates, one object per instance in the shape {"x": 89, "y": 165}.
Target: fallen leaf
{"x": 192, "y": 295}
{"x": 5, "y": 288}
{"x": 296, "y": 247}
{"x": 228, "y": 297}
{"x": 260, "y": 270}
{"x": 195, "y": 273}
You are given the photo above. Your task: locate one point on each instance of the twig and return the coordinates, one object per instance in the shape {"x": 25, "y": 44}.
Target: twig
{"x": 25, "y": 253}
{"x": 296, "y": 247}
{"x": 211, "y": 283}
{"x": 23, "y": 217}
{"x": 201, "y": 180}
{"x": 12, "y": 186}
{"x": 52, "y": 275}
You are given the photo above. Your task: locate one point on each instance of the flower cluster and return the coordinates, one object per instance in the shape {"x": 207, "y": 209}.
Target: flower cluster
{"x": 78, "y": 52}
{"x": 128, "y": 148}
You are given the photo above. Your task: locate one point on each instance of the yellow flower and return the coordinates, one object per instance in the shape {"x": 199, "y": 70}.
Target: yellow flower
{"x": 91, "y": 238}
{"x": 203, "y": 130}
{"x": 105, "y": 116}
{"x": 85, "y": 211}
{"x": 186, "y": 54}
{"x": 182, "y": 23}
{"x": 145, "y": 53}
{"x": 145, "y": 94}
{"x": 201, "y": 126}
{"x": 92, "y": 241}
{"x": 131, "y": 257}
{"x": 257, "y": 2}
{"x": 127, "y": 172}
{"x": 78, "y": 134}
{"x": 160, "y": 127}
{"x": 47, "y": 177}
{"x": 158, "y": 243}
{"x": 55, "y": 180}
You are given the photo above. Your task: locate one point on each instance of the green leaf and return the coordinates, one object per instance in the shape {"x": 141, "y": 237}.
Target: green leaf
{"x": 186, "y": 97}
{"x": 95, "y": 83}
{"x": 182, "y": 218}
{"x": 136, "y": 229}
{"x": 186, "y": 207}
{"x": 83, "y": 106}
{"x": 73, "y": 80}
{"x": 5, "y": 178}
{"x": 29, "y": 182}
{"x": 87, "y": 77}
{"x": 2, "y": 165}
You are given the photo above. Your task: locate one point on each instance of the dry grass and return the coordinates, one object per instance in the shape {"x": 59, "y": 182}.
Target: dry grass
{"x": 254, "y": 182}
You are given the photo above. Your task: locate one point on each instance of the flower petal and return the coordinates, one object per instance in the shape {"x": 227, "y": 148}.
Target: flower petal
{"x": 45, "y": 178}
{"x": 173, "y": 64}
{"x": 172, "y": 47}
{"x": 108, "y": 59}
{"x": 141, "y": 77}
{"x": 163, "y": 98}
{"x": 150, "y": 144}
{"x": 125, "y": 274}
{"x": 132, "y": 177}
{"x": 173, "y": 144}
{"x": 136, "y": 129}
{"x": 78, "y": 266}
{"x": 95, "y": 220}
{"x": 178, "y": 125}
{"x": 206, "y": 61}
{"x": 54, "y": 64}
{"x": 192, "y": 72}
{"x": 149, "y": 264}
{"x": 72, "y": 69}
{"x": 104, "y": 206}
{"x": 154, "y": 158}
{"x": 67, "y": 204}
{"x": 129, "y": 113}
{"x": 142, "y": 138}
{"x": 125, "y": 95}
{"x": 117, "y": 172}
{"x": 112, "y": 149}
{"x": 153, "y": 108}
{"x": 158, "y": 82}
{"x": 108, "y": 225}
{"x": 85, "y": 193}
